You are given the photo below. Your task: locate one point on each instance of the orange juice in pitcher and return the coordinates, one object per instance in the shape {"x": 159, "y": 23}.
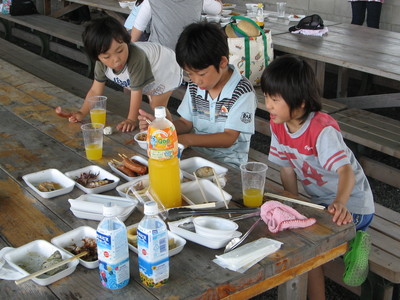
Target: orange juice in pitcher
{"x": 164, "y": 173}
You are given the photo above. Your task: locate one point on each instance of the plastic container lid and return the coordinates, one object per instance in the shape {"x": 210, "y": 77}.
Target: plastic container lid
{"x": 159, "y": 112}
{"x": 150, "y": 208}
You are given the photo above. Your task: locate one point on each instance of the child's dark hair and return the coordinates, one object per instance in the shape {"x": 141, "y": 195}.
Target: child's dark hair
{"x": 201, "y": 45}
{"x": 294, "y": 80}
{"x": 99, "y": 34}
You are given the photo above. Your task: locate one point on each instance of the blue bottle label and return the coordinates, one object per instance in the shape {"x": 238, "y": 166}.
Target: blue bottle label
{"x": 114, "y": 276}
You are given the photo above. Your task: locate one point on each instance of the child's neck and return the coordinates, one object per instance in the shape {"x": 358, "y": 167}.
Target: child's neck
{"x": 225, "y": 76}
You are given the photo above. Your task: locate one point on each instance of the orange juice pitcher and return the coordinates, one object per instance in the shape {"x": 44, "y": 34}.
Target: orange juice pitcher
{"x": 164, "y": 173}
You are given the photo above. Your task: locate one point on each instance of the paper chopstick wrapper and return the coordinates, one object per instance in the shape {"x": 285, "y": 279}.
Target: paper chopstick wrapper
{"x": 244, "y": 257}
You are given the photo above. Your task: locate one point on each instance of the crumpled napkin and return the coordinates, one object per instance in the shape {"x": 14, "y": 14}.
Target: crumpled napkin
{"x": 6, "y": 272}
{"x": 279, "y": 217}
{"x": 244, "y": 257}
{"x": 317, "y": 32}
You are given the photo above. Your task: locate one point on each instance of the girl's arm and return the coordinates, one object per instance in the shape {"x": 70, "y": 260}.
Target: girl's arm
{"x": 96, "y": 89}
{"x": 213, "y": 140}
{"x": 289, "y": 180}
{"x": 135, "y": 34}
{"x": 345, "y": 185}
{"x": 130, "y": 123}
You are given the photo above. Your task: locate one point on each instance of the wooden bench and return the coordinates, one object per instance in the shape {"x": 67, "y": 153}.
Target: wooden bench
{"x": 49, "y": 30}
{"x": 384, "y": 258}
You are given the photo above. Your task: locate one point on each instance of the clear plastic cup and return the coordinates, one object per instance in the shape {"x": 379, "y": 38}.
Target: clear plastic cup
{"x": 253, "y": 182}
{"x": 98, "y": 109}
{"x": 93, "y": 140}
{"x": 280, "y": 9}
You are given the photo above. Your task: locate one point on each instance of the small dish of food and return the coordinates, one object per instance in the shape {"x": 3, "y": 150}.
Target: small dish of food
{"x": 77, "y": 240}
{"x": 49, "y": 183}
{"x": 37, "y": 255}
{"x": 93, "y": 179}
{"x": 175, "y": 242}
{"x": 130, "y": 168}
{"x": 202, "y": 167}
{"x": 140, "y": 138}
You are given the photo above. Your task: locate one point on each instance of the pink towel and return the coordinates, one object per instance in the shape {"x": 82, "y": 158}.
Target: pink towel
{"x": 279, "y": 217}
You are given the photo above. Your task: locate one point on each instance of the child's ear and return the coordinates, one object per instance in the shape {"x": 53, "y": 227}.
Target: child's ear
{"x": 224, "y": 62}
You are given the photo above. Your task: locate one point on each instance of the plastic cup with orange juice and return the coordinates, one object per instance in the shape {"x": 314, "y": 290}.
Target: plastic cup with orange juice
{"x": 98, "y": 109}
{"x": 93, "y": 140}
{"x": 253, "y": 182}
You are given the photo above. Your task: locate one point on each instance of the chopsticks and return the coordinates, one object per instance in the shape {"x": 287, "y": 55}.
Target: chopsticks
{"x": 200, "y": 187}
{"x": 295, "y": 201}
{"x": 45, "y": 270}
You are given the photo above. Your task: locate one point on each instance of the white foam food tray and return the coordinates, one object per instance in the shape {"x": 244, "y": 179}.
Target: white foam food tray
{"x": 102, "y": 175}
{"x": 190, "y": 165}
{"x": 123, "y": 188}
{"x": 29, "y": 258}
{"x": 179, "y": 241}
{"x": 49, "y": 175}
{"x": 209, "y": 242}
{"x": 74, "y": 238}
{"x": 94, "y": 203}
{"x": 191, "y": 190}
{"x": 98, "y": 217}
{"x": 122, "y": 174}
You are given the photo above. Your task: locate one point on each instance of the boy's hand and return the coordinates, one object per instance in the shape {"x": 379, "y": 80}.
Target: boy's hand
{"x": 76, "y": 117}
{"x": 341, "y": 215}
{"x": 144, "y": 117}
{"x": 126, "y": 126}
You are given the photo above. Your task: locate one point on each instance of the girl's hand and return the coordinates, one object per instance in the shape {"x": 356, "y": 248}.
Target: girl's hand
{"x": 76, "y": 117}
{"x": 341, "y": 215}
{"x": 144, "y": 119}
{"x": 127, "y": 125}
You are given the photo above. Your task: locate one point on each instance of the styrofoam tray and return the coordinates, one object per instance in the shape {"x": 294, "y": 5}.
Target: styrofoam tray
{"x": 103, "y": 174}
{"x": 93, "y": 203}
{"x": 123, "y": 175}
{"x": 33, "y": 254}
{"x": 99, "y": 217}
{"x": 76, "y": 236}
{"x": 123, "y": 188}
{"x": 50, "y": 175}
{"x": 211, "y": 191}
{"x": 209, "y": 242}
{"x": 180, "y": 242}
{"x": 190, "y": 165}
{"x": 295, "y": 18}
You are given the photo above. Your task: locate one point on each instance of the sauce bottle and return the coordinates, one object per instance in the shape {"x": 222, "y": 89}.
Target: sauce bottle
{"x": 260, "y": 15}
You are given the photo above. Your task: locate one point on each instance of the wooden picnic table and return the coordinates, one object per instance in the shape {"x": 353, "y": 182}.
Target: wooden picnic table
{"x": 34, "y": 138}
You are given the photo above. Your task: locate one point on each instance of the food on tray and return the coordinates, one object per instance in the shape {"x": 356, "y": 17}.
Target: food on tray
{"x": 132, "y": 238}
{"x": 53, "y": 259}
{"x": 296, "y": 17}
{"x": 226, "y": 4}
{"x": 142, "y": 136}
{"x": 130, "y": 167}
{"x": 89, "y": 180}
{"x": 89, "y": 245}
{"x": 62, "y": 113}
{"x": 49, "y": 186}
{"x": 204, "y": 172}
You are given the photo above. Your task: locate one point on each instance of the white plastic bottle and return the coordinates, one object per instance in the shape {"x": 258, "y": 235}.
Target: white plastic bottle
{"x": 112, "y": 250}
{"x": 152, "y": 239}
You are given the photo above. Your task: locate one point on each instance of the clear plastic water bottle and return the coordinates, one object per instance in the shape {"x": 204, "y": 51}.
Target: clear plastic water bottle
{"x": 152, "y": 239}
{"x": 260, "y": 15}
{"x": 112, "y": 250}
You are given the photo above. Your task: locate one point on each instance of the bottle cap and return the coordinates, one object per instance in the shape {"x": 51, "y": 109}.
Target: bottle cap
{"x": 260, "y": 5}
{"x": 150, "y": 208}
{"x": 110, "y": 210}
{"x": 159, "y": 112}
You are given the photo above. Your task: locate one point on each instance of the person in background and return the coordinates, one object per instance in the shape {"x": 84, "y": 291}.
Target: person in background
{"x": 144, "y": 68}
{"x": 218, "y": 109}
{"x": 308, "y": 145}
{"x": 169, "y": 17}
{"x": 131, "y": 19}
{"x": 371, "y": 7}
